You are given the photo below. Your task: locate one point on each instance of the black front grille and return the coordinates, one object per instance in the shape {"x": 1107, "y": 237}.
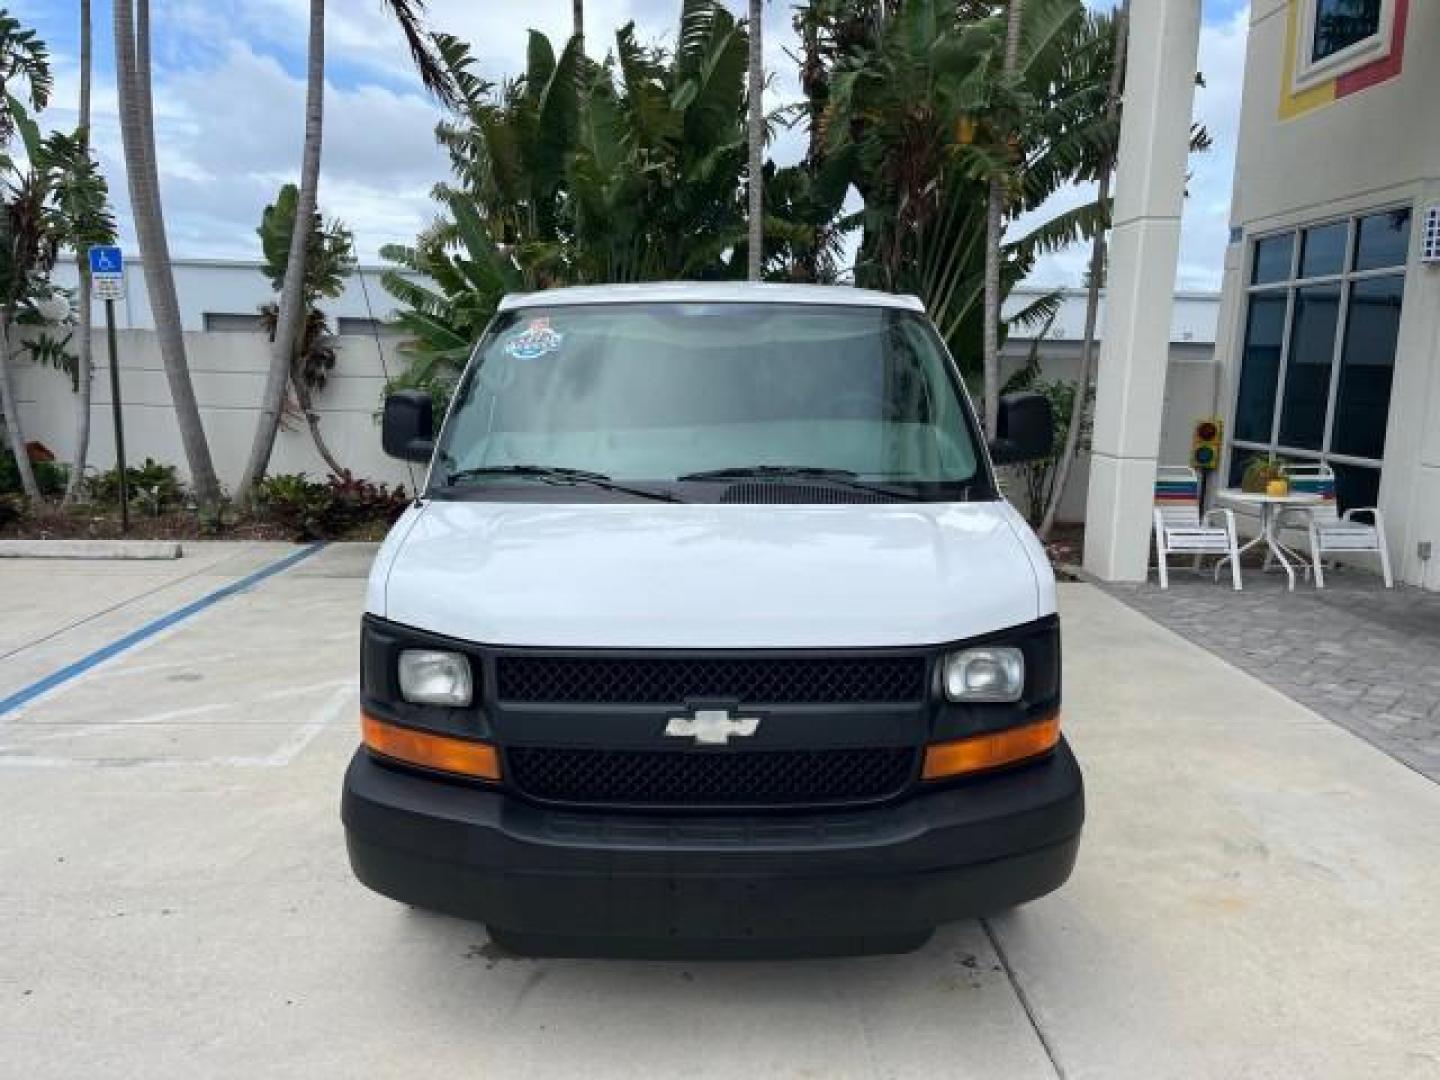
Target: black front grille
{"x": 616, "y": 680}
{"x": 710, "y": 778}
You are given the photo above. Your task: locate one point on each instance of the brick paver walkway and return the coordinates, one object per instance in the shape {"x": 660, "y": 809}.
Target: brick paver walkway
{"x": 1359, "y": 655}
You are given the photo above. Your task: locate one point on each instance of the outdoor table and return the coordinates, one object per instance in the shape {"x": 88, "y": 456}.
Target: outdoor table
{"x": 1270, "y": 508}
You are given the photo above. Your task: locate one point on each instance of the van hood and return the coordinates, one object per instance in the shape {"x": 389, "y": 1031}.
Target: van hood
{"x": 695, "y": 576}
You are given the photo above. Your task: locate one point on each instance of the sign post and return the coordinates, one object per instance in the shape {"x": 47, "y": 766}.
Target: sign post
{"x": 107, "y": 275}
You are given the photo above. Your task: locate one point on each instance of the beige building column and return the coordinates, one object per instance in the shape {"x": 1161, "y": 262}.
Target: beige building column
{"x": 1144, "y": 248}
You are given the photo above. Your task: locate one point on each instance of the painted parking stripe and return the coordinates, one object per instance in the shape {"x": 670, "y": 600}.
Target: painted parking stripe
{"x": 27, "y": 694}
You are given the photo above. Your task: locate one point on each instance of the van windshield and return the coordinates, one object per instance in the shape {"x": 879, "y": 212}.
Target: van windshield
{"x": 680, "y": 395}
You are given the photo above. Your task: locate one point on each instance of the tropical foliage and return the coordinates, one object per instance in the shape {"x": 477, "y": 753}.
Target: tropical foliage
{"x": 52, "y": 198}
{"x": 330, "y": 509}
{"x": 929, "y": 118}
{"x": 580, "y": 172}
{"x": 329, "y": 260}
{"x": 634, "y": 168}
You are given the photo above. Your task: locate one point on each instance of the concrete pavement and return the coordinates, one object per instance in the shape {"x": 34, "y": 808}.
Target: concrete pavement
{"x": 1257, "y": 893}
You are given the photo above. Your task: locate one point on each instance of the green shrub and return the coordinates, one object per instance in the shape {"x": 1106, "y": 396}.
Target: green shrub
{"x": 330, "y": 509}
{"x": 154, "y": 488}
{"x": 12, "y": 509}
{"x": 49, "y": 475}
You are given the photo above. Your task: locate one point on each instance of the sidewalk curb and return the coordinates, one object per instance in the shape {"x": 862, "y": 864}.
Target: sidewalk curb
{"x": 90, "y": 549}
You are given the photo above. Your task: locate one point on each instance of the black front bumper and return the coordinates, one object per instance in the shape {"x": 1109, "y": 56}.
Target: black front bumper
{"x": 857, "y": 880}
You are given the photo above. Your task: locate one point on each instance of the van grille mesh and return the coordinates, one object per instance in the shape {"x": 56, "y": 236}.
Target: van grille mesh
{"x": 620, "y": 680}
{"x": 710, "y": 778}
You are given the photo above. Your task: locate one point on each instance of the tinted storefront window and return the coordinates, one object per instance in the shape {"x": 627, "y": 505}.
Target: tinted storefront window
{"x": 1367, "y": 365}
{"x": 1382, "y": 240}
{"x": 1307, "y": 375}
{"x": 1272, "y": 259}
{"x": 1323, "y": 250}
{"x": 1322, "y": 391}
{"x": 1260, "y": 368}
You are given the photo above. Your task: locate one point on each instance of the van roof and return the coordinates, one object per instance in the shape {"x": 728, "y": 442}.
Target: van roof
{"x": 719, "y": 292}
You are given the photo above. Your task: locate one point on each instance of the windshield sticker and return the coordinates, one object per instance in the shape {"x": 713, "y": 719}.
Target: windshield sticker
{"x": 536, "y": 340}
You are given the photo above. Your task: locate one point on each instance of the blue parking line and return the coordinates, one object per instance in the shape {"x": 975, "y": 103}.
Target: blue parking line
{"x": 27, "y": 694}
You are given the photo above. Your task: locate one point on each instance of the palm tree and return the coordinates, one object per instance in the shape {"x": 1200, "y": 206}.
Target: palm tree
{"x": 994, "y": 218}
{"x": 83, "y": 370}
{"x": 1095, "y": 280}
{"x": 137, "y": 133}
{"x": 292, "y": 312}
{"x": 755, "y": 137}
{"x": 329, "y": 260}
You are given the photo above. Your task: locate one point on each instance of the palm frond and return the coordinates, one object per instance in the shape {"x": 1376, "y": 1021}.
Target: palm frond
{"x": 429, "y": 62}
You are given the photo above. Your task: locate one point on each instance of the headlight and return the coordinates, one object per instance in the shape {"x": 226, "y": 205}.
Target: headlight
{"x": 428, "y": 677}
{"x": 988, "y": 674}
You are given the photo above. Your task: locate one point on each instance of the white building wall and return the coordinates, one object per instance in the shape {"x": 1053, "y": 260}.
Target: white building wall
{"x": 218, "y": 286}
{"x": 228, "y": 370}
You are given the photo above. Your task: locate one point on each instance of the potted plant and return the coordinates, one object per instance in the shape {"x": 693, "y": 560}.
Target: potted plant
{"x": 1260, "y": 471}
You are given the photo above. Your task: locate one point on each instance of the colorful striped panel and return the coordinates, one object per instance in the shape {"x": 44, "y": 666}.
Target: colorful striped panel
{"x": 1177, "y": 491}
{"x": 1325, "y": 488}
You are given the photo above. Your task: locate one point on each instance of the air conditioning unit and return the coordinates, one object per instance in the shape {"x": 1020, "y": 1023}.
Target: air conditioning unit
{"x": 1430, "y": 242}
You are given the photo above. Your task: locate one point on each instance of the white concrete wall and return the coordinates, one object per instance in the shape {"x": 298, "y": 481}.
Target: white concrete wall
{"x": 228, "y": 370}
{"x": 229, "y": 287}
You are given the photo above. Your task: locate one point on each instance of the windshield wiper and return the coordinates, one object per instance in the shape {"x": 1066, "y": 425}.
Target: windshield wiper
{"x": 844, "y": 477}
{"x": 559, "y": 474}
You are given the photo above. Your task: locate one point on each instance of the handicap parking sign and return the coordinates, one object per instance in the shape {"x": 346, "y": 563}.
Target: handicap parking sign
{"x": 106, "y": 261}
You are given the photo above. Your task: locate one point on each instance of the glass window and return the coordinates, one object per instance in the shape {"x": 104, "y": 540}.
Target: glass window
{"x": 1336, "y": 353}
{"x": 1356, "y": 486}
{"x": 1307, "y": 372}
{"x": 1383, "y": 240}
{"x": 654, "y": 391}
{"x": 1322, "y": 251}
{"x": 1241, "y": 457}
{"x": 1272, "y": 259}
{"x": 1342, "y": 23}
{"x": 1260, "y": 367}
{"x": 1367, "y": 363}
{"x": 233, "y": 322}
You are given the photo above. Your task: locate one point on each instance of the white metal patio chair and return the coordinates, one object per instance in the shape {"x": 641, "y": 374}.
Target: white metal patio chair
{"x": 1332, "y": 532}
{"x": 1181, "y": 529}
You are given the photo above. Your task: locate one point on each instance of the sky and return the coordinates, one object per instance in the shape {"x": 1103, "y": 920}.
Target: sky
{"x": 229, "y": 100}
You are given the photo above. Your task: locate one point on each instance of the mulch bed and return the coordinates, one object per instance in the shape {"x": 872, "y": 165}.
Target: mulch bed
{"x": 95, "y": 523}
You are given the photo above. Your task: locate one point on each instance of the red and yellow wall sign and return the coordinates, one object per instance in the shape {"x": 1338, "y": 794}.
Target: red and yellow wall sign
{"x": 1294, "y": 103}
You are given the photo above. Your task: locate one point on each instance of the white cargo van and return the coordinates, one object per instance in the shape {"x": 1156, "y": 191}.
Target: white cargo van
{"x": 710, "y": 632}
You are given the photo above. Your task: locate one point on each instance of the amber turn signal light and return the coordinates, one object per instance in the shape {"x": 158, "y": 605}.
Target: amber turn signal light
{"x": 981, "y": 752}
{"x": 442, "y": 752}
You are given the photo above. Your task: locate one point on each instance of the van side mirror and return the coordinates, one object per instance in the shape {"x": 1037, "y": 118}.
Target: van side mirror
{"x": 408, "y": 429}
{"x": 1025, "y": 429}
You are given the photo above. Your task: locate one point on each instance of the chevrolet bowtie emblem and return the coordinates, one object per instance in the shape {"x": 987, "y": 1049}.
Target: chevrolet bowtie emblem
{"x": 712, "y": 727}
